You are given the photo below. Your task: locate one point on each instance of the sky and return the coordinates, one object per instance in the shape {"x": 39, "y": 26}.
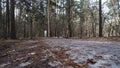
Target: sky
{"x": 95, "y": 0}
{"x": 105, "y": 8}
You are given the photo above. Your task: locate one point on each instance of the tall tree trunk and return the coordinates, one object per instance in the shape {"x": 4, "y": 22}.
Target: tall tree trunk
{"x": 118, "y": 8}
{"x": 68, "y": 12}
{"x": 19, "y": 20}
{"x": 56, "y": 28}
{"x": 4, "y": 35}
{"x": 82, "y": 18}
{"x": 48, "y": 9}
{"x": 118, "y": 15}
{"x": 0, "y": 11}
{"x": 63, "y": 30}
{"x": 0, "y": 19}
{"x": 31, "y": 28}
{"x": 7, "y": 20}
{"x": 100, "y": 19}
{"x": 12, "y": 19}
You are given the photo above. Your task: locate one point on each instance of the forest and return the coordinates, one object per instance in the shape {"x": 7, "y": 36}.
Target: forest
{"x": 59, "y": 33}
{"x": 61, "y": 18}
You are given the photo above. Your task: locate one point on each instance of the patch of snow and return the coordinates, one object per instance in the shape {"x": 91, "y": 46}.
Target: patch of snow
{"x": 33, "y": 46}
{"x": 103, "y": 64}
{"x": 5, "y": 64}
{"x": 32, "y": 53}
{"x": 54, "y": 63}
{"x": 80, "y": 51}
{"x": 108, "y": 57}
{"x": 25, "y": 64}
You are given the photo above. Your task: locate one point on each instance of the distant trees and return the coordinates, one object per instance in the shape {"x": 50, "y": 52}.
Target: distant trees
{"x": 113, "y": 18}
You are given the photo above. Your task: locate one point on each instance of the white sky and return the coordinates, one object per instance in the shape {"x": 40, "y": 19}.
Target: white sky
{"x": 105, "y": 8}
{"x": 95, "y": 0}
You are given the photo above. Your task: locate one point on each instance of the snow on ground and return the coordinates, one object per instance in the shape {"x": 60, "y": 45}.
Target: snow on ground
{"x": 25, "y": 64}
{"x": 5, "y": 64}
{"x": 105, "y": 54}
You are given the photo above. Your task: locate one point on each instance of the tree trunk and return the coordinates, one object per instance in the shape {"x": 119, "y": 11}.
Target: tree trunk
{"x": 48, "y": 9}
{"x": 0, "y": 19}
{"x": 100, "y": 19}
{"x": 63, "y": 20}
{"x": 4, "y": 35}
{"x": 118, "y": 7}
{"x": 0, "y": 11}
{"x": 56, "y": 15}
{"x": 24, "y": 30}
{"x": 31, "y": 28}
{"x": 12, "y": 19}
{"x": 68, "y": 12}
{"x": 19, "y": 20}
{"x": 7, "y": 20}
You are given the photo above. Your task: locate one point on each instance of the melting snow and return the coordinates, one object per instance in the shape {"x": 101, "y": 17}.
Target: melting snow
{"x": 54, "y": 63}
{"x": 25, "y": 64}
{"x": 33, "y": 46}
{"x": 80, "y": 51}
{"x": 32, "y": 53}
{"x": 5, "y": 64}
{"x": 103, "y": 64}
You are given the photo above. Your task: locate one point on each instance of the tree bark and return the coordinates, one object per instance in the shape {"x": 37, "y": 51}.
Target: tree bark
{"x": 0, "y": 19}
{"x": 7, "y": 20}
{"x": 48, "y": 9}
{"x": 12, "y": 19}
{"x": 100, "y": 19}
{"x": 68, "y": 12}
{"x": 0, "y": 10}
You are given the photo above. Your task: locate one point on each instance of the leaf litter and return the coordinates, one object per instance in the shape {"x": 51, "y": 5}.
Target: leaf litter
{"x": 61, "y": 53}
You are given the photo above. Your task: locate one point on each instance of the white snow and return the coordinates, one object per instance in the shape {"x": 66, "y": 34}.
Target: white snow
{"x": 32, "y": 53}
{"x": 25, "y": 64}
{"x": 33, "y": 46}
{"x": 54, "y": 63}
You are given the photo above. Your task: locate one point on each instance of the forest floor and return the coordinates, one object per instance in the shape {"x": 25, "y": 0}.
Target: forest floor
{"x": 60, "y": 53}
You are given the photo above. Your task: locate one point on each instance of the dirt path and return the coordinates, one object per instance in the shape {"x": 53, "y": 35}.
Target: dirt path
{"x": 59, "y": 53}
